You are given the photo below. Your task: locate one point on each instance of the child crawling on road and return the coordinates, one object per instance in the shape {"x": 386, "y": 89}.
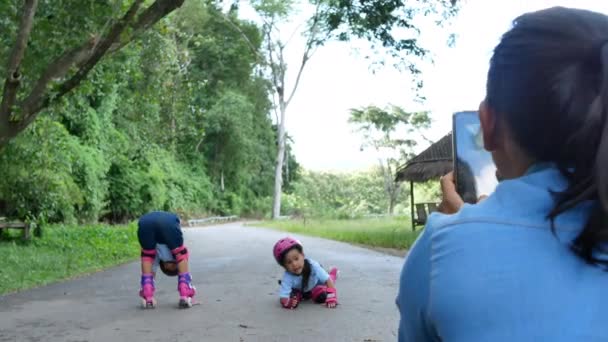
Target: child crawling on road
{"x": 304, "y": 278}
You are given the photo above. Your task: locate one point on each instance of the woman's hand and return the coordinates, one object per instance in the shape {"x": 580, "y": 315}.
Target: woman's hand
{"x": 451, "y": 202}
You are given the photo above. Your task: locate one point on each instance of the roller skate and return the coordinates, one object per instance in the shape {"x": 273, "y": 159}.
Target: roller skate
{"x": 186, "y": 290}
{"x": 147, "y": 292}
{"x": 333, "y": 274}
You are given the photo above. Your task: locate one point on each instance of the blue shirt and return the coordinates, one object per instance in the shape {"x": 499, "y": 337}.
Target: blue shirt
{"x": 162, "y": 253}
{"x": 290, "y": 281}
{"x": 495, "y": 272}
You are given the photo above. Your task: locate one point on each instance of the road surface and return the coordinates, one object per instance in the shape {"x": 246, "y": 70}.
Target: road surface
{"x": 236, "y": 276}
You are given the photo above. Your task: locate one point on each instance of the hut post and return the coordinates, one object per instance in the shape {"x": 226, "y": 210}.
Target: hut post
{"x": 412, "y": 204}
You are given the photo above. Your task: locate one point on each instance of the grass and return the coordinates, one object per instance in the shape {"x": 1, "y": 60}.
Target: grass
{"x": 63, "y": 252}
{"x": 383, "y": 232}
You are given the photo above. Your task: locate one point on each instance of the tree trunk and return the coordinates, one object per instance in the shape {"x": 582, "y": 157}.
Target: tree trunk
{"x": 173, "y": 132}
{"x": 393, "y": 196}
{"x": 391, "y": 206}
{"x": 8, "y": 131}
{"x": 286, "y": 162}
{"x": 222, "y": 181}
{"x": 278, "y": 173}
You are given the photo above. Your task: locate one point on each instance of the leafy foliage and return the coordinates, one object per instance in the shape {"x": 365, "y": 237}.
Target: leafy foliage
{"x": 64, "y": 251}
{"x": 391, "y": 132}
{"x": 177, "y": 120}
{"x": 389, "y": 25}
{"x": 348, "y": 195}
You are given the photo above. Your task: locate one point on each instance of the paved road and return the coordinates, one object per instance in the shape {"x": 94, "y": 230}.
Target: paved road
{"x": 235, "y": 274}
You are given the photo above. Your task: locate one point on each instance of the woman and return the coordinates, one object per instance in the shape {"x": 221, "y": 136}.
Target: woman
{"x": 527, "y": 263}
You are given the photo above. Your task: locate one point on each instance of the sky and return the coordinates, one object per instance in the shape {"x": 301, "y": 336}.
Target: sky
{"x": 338, "y": 78}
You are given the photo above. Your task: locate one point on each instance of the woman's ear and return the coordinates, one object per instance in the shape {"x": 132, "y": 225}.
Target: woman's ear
{"x": 489, "y": 130}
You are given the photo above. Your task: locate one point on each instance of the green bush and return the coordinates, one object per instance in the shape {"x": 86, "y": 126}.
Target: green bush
{"x": 158, "y": 126}
{"x": 155, "y": 181}
{"x": 63, "y": 252}
{"x": 50, "y": 175}
{"x": 37, "y": 169}
{"x": 125, "y": 180}
{"x": 89, "y": 173}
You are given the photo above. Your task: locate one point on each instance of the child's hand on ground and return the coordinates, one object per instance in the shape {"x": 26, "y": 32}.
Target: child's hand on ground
{"x": 293, "y": 302}
{"x": 332, "y": 298}
{"x": 290, "y": 303}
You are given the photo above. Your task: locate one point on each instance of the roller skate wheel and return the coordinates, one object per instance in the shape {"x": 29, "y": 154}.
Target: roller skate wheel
{"x": 185, "y": 303}
{"x": 148, "y": 304}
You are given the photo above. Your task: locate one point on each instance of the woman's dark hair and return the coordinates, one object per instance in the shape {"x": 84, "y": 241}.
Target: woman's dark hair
{"x": 548, "y": 77}
{"x": 305, "y": 271}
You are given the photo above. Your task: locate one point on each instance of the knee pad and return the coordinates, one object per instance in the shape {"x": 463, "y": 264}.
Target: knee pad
{"x": 180, "y": 254}
{"x": 319, "y": 294}
{"x": 148, "y": 255}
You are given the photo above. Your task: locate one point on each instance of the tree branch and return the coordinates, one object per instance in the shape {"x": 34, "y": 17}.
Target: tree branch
{"x": 309, "y": 45}
{"x": 57, "y": 69}
{"x": 385, "y": 176}
{"x": 147, "y": 19}
{"x": 293, "y": 33}
{"x": 85, "y": 57}
{"x": 13, "y": 76}
{"x": 247, "y": 40}
{"x": 101, "y": 48}
{"x": 273, "y": 67}
{"x": 198, "y": 145}
{"x": 276, "y": 114}
{"x": 282, "y": 72}
{"x": 159, "y": 9}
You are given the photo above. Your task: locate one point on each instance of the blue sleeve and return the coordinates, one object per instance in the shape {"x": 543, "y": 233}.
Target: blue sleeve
{"x": 286, "y": 286}
{"x": 414, "y": 291}
{"x": 318, "y": 271}
{"x": 164, "y": 253}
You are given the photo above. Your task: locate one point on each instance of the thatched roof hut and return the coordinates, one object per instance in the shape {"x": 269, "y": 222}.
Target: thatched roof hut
{"x": 431, "y": 163}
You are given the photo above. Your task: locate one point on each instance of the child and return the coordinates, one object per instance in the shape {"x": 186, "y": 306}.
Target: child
{"x": 162, "y": 244}
{"x": 303, "y": 278}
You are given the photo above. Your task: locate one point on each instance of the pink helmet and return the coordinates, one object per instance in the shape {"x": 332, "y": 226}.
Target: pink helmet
{"x": 283, "y": 246}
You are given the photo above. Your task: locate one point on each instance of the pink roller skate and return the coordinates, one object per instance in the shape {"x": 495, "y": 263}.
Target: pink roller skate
{"x": 333, "y": 274}
{"x": 186, "y": 290}
{"x": 146, "y": 291}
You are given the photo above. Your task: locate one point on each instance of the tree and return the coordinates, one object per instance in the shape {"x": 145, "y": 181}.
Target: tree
{"x": 337, "y": 195}
{"x": 389, "y": 131}
{"x": 22, "y": 98}
{"x": 380, "y": 22}
{"x": 274, "y": 13}
{"x": 155, "y": 127}
{"x": 236, "y": 136}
